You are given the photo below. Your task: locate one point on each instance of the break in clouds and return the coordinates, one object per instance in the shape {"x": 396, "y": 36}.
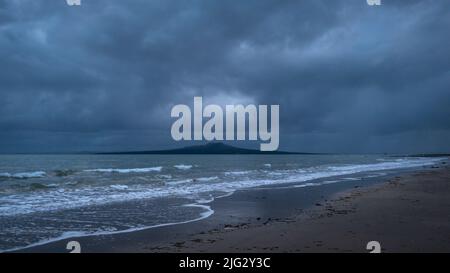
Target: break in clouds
{"x": 103, "y": 76}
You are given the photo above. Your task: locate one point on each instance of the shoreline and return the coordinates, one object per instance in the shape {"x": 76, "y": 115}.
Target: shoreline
{"x": 258, "y": 217}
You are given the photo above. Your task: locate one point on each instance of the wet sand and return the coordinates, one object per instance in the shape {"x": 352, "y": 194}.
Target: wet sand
{"x": 404, "y": 213}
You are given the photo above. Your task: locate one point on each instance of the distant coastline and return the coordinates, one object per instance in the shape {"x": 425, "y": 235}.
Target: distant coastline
{"x": 210, "y": 148}
{"x": 219, "y": 148}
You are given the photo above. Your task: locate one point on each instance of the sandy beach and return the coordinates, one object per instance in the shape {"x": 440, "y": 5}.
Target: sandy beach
{"x": 405, "y": 212}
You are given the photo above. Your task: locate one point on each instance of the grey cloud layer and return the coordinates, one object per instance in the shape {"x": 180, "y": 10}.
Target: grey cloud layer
{"x": 348, "y": 77}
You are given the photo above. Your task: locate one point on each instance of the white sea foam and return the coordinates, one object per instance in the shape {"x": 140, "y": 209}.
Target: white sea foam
{"x": 352, "y": 178}
{"x": 135, "y": 170}
{"x": 207, "y": 211}
{"x": 119, "y": 187}
{"x": 206, "y": 179}
{"x": 164, "y": 176}
{"x": 183, "y": 167}
{"x": 24, "y": 175}
{"x": 204, "y": 200}
{"x": 387, "y": 165}
{"x": 178, "y": 182}
{"x": 237, "y": 173}
{"x": 72, "y": 198}
{"x": 201, "y": 191}
{"x": 277, "y": 173}
{"x": 330, "y": 182}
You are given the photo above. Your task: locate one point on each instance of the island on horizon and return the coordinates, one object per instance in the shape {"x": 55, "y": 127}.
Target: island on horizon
{"x": 209, "y": 148}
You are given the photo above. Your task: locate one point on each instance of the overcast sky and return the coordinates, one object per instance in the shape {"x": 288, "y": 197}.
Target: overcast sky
{"x": 104, "y": 76}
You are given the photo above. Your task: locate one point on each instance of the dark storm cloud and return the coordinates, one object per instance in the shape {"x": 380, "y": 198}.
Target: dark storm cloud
{"x": 348, "y": 77}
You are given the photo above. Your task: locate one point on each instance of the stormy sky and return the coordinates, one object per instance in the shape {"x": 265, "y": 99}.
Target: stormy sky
{"x": 104, "y": 76}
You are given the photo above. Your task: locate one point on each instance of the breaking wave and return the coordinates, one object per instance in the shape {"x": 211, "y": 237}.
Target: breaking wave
{"x": 135, "y": 170}
{"x": 24, "y": 175}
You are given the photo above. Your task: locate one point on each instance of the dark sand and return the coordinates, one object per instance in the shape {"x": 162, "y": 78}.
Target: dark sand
{"x": 405, "y": 213}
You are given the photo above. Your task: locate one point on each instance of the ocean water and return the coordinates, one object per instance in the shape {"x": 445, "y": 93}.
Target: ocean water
{"x": 50, "y": 197}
